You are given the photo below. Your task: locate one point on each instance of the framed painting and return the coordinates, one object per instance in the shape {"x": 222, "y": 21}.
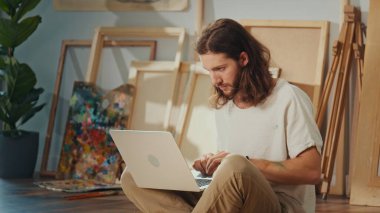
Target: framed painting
{"x": 121, "y": 5}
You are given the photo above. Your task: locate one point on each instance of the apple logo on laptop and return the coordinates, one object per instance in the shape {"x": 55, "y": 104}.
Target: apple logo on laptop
{"x": 153, "y": 160}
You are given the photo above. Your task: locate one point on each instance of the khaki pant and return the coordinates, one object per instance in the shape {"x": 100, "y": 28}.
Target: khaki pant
{"x": 237, "y": 186}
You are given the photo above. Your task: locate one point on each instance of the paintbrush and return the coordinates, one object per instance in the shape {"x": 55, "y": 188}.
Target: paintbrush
{"x": 91, "y": 195}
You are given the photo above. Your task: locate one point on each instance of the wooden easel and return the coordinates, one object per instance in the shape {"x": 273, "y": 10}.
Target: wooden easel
{"x": 349, "y": 45}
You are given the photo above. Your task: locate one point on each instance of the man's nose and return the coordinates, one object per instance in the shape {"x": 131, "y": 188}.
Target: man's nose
{"x": 215, "y": 79}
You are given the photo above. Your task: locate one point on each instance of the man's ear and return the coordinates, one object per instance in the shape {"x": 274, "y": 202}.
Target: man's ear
{"x": 243, "y": 60}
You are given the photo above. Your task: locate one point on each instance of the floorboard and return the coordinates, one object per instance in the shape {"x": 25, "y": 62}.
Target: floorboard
{"x": 18, "y": 196}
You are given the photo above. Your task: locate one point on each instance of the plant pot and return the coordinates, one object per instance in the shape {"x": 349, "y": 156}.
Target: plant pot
{"x": 18, "y": 155}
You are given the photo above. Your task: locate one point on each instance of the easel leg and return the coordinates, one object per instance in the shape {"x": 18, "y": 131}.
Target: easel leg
{"x": 344, "y": 67}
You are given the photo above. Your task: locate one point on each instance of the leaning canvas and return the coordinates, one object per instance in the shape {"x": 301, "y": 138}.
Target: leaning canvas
{"x": 88, "y": 152}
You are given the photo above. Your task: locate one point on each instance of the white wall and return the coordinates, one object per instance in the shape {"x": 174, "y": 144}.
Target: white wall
{"x": 42, "y": 49}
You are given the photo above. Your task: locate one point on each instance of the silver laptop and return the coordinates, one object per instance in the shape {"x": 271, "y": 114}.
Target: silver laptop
{"x": 155, "y": 161}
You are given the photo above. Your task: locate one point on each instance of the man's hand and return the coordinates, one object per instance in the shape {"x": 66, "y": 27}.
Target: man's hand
{"x": 214, "y": 161}
{"x": 201, "y": 164}
{"x": 208, "y": 163}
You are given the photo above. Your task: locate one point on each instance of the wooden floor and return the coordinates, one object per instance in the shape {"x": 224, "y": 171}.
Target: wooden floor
{"x": 340, "y": 204}
{"x": 18, "y": 196}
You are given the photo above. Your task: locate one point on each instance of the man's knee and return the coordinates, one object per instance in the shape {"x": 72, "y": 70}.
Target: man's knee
{"x": 127, "y": 183}
{"x": 233, "y": 164}
{"x": 125, "y": 177}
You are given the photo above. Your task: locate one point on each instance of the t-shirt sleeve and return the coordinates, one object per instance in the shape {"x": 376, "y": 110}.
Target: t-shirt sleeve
{"x": 301, "y": 129}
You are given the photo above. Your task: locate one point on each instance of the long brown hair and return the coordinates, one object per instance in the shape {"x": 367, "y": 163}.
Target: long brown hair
{"x": 254, "y": 80}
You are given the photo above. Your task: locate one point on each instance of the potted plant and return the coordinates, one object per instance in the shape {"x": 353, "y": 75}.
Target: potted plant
{"x": 18, "y": 92}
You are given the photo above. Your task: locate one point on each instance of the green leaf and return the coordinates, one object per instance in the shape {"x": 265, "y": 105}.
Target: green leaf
{"x": 2, "y": 76}
{"x": 18, "y": 100}
{"x": 2, "y": 63}
{"x": 5, "y": 38}
{"x": 4, "y": 117}
{"x": 21, "y": 82}
{"x": 17, "y": 111}
{"x": 31, "y": 113}
{"x": 4, "y": 6}
{"x": 26, "y": 6}
{"x": 31, "y": 97}
{"x": 5, "y": 62}
{"x": 15, "y": 3}
{"x": 13, "y": 34}
{"x": 3, "y": 107}
{"x": 26, "y": 109}
{"x": 3, "y": 50}
{"x": 7, "y": 7}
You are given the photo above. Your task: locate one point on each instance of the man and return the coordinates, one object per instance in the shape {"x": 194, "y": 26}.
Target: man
{"x": 268, "y": 140}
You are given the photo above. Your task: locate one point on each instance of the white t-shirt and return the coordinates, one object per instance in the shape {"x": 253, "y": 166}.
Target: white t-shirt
{"x": 281, "y": 127}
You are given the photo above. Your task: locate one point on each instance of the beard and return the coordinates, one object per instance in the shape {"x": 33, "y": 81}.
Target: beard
{"x": 234, "y": 88}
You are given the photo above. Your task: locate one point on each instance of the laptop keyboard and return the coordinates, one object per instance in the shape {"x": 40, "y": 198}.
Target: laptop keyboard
{"x": 203, "y": 182}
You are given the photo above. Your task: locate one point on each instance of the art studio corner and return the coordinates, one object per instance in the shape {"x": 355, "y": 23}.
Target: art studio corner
{"x": 71, "y": 71}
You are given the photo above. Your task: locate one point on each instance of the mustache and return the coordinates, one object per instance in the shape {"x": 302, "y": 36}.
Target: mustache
{"x": 234, "y": 89}
{"x": 218, "y": 85}
{"x": 220, "y": 92}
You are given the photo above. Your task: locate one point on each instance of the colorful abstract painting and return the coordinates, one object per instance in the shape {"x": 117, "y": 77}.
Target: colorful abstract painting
{"x": 88, "y": 151}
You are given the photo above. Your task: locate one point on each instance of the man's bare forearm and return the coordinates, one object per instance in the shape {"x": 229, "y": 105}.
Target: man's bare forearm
{"x": 304, "y": 169}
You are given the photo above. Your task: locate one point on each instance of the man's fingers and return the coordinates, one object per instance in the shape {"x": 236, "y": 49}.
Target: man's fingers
{"x": 212, "y": 166}
{"x": 214, "y": 162}
{"x": 204, "y": 160}
{"x": 203, "y": 163}
{"x": 219, "y": 155}
{"x": 198, "y": 166}
{"x": 208, "y": 163}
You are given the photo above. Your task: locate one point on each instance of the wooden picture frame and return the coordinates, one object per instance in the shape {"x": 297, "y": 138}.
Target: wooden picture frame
{"x": 365, "y": 180}
{"x": 137, "y": 32}
{"x": 117, "y": 5}
{"x": 299, "y": 48}
{"x": 199, "y": 22}
{"x": 65, "y": 45}
{"x": 155, "y": 84}
{"x": 375, "y": 165}
{"x": 192, "y": 138}
{"x": 102, "y": 33}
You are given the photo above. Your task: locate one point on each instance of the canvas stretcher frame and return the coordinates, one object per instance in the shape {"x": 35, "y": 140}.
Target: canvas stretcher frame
{"x": 114, "y": 5}
{"x": 308, "y": 73}
{"x": 164, "y": 68}
{"x": 65, "y": 45}
{"x": 365, "y": 182}
{"x": 102, "y": 33}
{"x": 310, "y": 82}
{"x": 195, "y": 107}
